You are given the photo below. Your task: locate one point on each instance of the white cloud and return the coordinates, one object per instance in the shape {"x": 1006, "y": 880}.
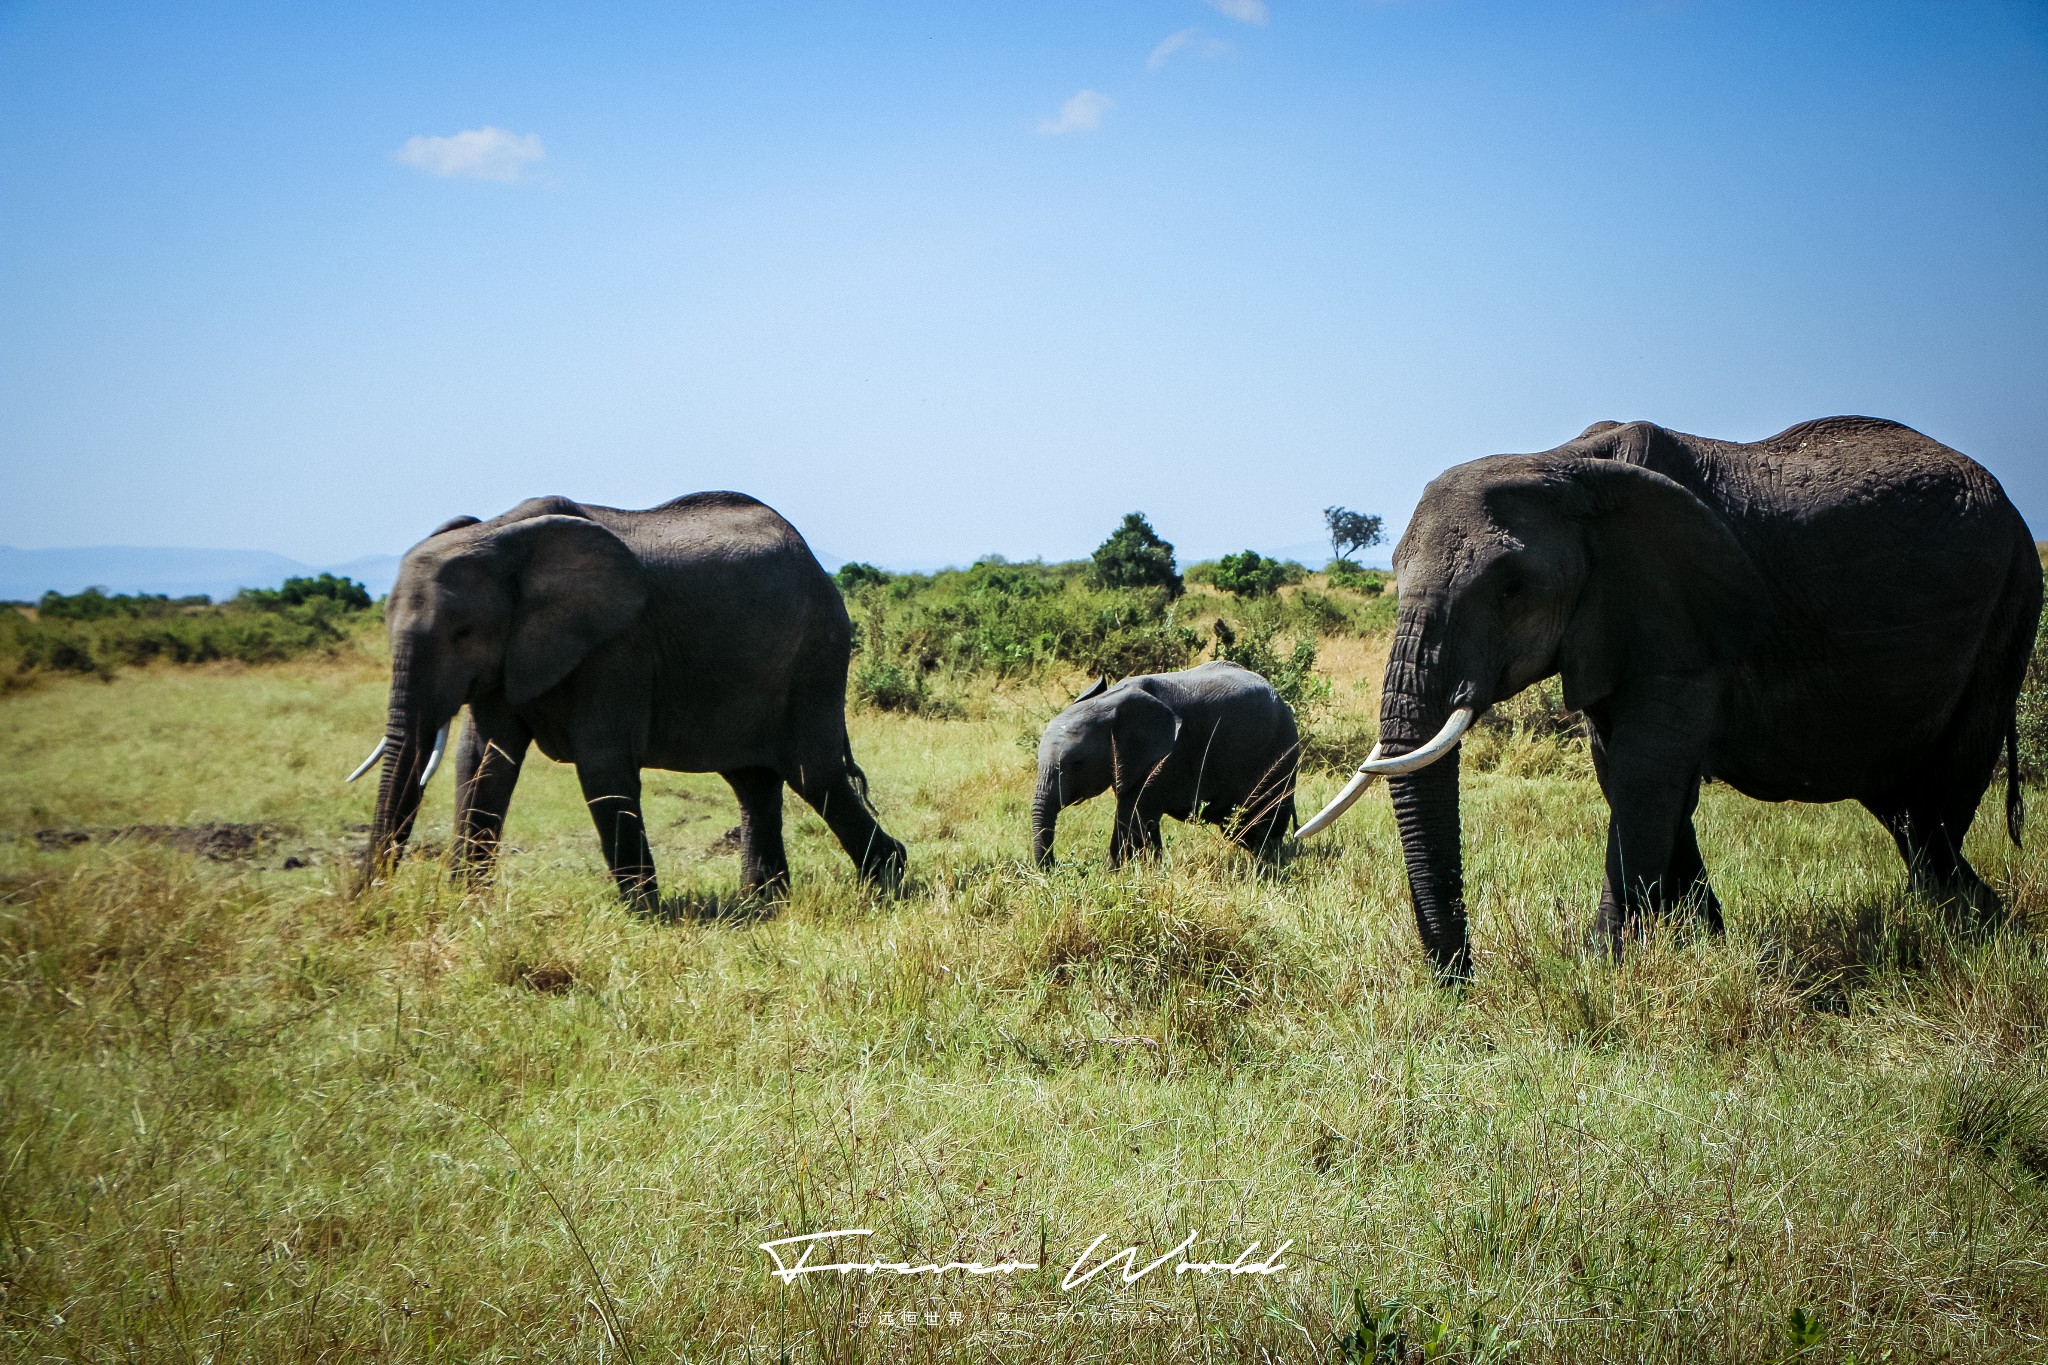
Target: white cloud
{"x": 1081, "y": 114}
{"x": 1244, "y": 11}
{"x": 485, "y": 153}
{"x": 1190, "y": 39}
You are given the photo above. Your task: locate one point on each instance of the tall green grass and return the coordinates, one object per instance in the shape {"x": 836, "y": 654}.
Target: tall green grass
{"x": 248, "y": 1116}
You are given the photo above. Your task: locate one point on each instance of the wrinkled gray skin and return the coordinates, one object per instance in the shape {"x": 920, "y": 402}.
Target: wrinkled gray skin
{"x": 1213, "y": 743}
{"x": 697, "y": 636}
{"x": 1841, "y": 612}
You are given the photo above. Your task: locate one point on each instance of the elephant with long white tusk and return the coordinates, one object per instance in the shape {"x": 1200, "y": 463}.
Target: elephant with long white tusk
{"x": 1843, "y": 611}
{"x": 1376, "y": 765}
{"x": 384, "y": 746}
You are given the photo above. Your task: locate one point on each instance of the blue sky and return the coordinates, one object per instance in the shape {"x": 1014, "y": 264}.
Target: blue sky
{"x": 944, "y": 279}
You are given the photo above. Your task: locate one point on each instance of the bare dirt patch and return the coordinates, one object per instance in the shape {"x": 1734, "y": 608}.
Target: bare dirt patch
{"x": 223, "y": 841}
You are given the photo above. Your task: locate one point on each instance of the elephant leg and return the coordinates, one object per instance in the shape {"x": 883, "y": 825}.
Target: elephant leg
{"x": 764, "y": 866}
{"x": 1121, "y": 832}
{"x": 1686, "y": 877}
{"x": 1929, "y": 832}
{"x": 1260, "y": 828}
{"x": 487, "y": 766}
{"x": 612, "y": 791}
{"x": 880, "y": 858}
{"x": 1646, "y": 753}
{"x": 1261, "y": 824}
{"x": 1136, "y": 833}
{"x": 1929, "y": 811}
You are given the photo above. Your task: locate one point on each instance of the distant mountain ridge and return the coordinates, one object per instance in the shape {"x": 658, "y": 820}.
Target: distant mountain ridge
{"x": 26, "y": 575}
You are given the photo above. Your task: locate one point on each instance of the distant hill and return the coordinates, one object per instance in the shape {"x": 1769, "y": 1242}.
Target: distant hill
{"x": 26, "y": 575}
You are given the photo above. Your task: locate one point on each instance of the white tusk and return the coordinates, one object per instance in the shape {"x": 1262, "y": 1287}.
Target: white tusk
{"x": 434, "y": 758}
{"x": 1353, "y": 789}
{"x": 375, "y": 754}
{"x": 1374, "y": 766}
{"x": 1446, "y": 740}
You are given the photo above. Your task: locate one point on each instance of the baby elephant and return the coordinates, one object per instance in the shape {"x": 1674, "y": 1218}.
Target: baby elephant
{"x": 1214, "y": 743}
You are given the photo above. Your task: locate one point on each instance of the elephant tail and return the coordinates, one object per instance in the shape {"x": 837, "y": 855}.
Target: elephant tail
{"x": 2015, "y": 804}
{"x": 853, "y": 772}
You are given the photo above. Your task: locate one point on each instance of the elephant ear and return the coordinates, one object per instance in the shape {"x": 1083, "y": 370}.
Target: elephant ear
{"x": 454, "y": 524}
{"x": 1141, "y": 737}
{"x": 1095, "y": 689}
{"x": 1669, "y": 589}
{"x": 577, "y": 585}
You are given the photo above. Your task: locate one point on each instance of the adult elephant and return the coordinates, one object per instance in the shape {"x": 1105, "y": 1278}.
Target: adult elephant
{"x": 1214, "y": 742}
{"x": 1841, "y": 612}
{"x": 697, "y": 636}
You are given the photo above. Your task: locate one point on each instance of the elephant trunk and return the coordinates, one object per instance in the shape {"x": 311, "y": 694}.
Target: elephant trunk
{"x": 409, "y": 732}
{"x": 1412, "y": 708}
{"x": 1045, "y": 815}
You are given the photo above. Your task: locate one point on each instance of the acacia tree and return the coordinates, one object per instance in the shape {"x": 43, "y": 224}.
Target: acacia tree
{"x": 1134, "y": 556}
{"x": 1351, "y": 531}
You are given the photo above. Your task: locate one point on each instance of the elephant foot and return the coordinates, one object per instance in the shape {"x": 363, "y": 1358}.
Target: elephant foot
{"x": 884, "y": 866}
{"x": 1696, "y": 913}
{"x": 473, "y": 874}
{"x": 768, "y": 886}
{"x": 1701, "y": 910}
{"x": 1613, "y": 929}
{"x": 1452, "y": 968}
{"x": 638, "y": 889}
{"x": 1965, "y": 898}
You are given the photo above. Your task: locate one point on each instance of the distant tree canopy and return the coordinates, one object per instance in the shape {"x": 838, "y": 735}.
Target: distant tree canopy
{"x": 854, "y": 574}
{"x": 1351, "y": 531}
{"x": 343, "y": 592}
{"x": 97, "y": 632}
{"x": 96, "y": 604}
{"x": 1250, "y": 574}
{"x": 1135, "y": 557}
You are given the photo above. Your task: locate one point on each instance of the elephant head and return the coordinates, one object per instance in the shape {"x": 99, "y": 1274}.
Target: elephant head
{"x": 1107, "y": 738}
{"x": 505, "y": 606}
{"x": 1515, "y": 568}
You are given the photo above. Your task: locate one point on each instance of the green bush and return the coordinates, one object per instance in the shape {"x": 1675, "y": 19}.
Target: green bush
{"x": 1342, "y": 573}
{"x": 92, "y": 632}
{"x": 2031, "y": 712}
{"x": 343, "y": 592}
{"x": 1009, "y": 621}
{"x": 1120, "y": 646}
{"x": 854, "y": 575}
{"x": 1134, "y": 556}
{"x": 1318, "y": 613}
{"x": 94, "y": 604}
{"x": 1293, "y": 675}
{"x": 888, "y": 685}
{"x": 1250, "y": 574}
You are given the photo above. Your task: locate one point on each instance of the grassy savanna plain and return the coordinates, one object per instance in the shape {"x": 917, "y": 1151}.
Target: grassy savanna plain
{"x": 250, "y": 1116}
